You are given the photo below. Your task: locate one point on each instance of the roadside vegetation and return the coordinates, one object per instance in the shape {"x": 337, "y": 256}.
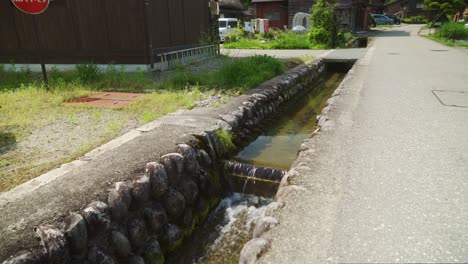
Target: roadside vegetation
{"x": 451, "y": 34}
{"x": 415, "y": 20}
{"x": 275, "y": 39}
{"x": 38, "y": 132}
{"x": 279, "y": 39}
{"x": 325, "y": 33}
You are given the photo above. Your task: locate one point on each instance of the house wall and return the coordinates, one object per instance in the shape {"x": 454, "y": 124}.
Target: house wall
{"x": 395, "y": 7}
{"x": 276, "y": 12}
{"x": 409, "y": 8}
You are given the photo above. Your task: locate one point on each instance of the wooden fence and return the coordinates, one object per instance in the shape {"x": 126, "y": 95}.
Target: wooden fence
{"x": 100, "y": 31}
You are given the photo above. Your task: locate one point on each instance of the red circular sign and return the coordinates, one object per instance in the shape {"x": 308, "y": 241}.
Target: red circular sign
{"x": 31, "y": 6}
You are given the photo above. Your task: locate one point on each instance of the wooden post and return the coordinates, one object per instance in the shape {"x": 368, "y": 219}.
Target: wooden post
{"x": 40, "y": 52}
{"x": 149, "y": 40}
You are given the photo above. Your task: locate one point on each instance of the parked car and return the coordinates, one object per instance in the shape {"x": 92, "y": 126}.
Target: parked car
{"x": 382, "y": 20}
{"x": 395, "y": 18}
{"x": 226, "y": 26}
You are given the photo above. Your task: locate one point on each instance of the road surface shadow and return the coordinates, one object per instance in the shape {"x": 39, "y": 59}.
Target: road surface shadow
{"x": 393, "y": 33}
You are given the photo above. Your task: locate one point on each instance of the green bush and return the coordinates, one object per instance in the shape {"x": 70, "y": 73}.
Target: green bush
{"x": 453, "y": 30}
{"x": 236, "y": 35}
{"x": 247, "y": 44}
{"x": 240, "y": 73}
{"x": 88, "y": 73}
{"x": 291, "y": 40}
{"x": 321, "y": 37}
{"x": 415, "y": 20}
{"x": 345, "y": 39}
{"x": 323, "y": 24}
{"x": 248, "y": 72}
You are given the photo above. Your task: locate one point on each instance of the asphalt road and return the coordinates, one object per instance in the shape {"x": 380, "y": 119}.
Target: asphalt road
{"x": 387, "y": 178}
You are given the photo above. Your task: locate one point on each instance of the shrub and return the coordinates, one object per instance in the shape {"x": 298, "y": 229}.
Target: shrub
{"x": 322, "y": 19}
{"x": 453, "y": 31}
{"x": 248, "y": 72}
{"x": 241, "y": 73}
{"x": 320, "y": 37}
{"x": 345, "y": 39}
{"x": 291, "y": 40}
{"x": 415, "y": 20}
{"x": 88, "y": 73}
{"x": 247, "y": 44}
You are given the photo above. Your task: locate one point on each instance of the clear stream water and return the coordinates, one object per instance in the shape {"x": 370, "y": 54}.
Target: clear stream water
{"x": 277, "y": 147}
{"x": 220, "y": 238}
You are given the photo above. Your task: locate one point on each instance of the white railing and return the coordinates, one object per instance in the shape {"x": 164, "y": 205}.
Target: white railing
{"x": 185, "y": 56}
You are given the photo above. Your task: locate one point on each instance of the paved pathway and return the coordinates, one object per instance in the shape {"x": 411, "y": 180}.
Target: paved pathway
{"x": 276, "y": 53}
{"x": 283, "y": 54}
{"x": 387, "y": 179}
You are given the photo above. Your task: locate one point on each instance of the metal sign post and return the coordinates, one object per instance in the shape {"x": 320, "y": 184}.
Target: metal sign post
{"x": 35, "y": 7}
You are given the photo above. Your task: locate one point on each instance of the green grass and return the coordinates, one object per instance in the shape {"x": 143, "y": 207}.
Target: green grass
{"x": 292, "y": 41}
{"x": 112, "y": 78}
{"x": 248, "y": 44}
{"x": 446, "y": 42}
{"x": 238, "y": 74}
{"x": 282, "y": 40}
{"x": 415, "y": 20}
{"x": 449, "y": 34}
{"x": 28, "y": 106}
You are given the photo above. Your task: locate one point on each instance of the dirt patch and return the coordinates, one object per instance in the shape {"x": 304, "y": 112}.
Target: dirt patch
{"x": 107, "y": 100}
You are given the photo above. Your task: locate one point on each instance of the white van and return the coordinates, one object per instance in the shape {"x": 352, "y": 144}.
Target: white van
{"x": 226, "y": 26}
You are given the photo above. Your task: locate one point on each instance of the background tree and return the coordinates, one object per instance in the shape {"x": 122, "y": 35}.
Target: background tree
{"x": 448, "y": 7}
{"x": 323, "y": 29}
{"x": 246, "y": 3}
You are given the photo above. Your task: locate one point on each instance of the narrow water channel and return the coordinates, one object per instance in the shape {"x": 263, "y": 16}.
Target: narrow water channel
{"x": 277, "y": 146}
{"x": 222, "y": 235}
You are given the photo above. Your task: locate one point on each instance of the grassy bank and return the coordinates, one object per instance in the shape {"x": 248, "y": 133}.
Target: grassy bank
{"x": 38, "y": 132}
{"x": 282, "y": 40}
{"x": 451, "y": 34}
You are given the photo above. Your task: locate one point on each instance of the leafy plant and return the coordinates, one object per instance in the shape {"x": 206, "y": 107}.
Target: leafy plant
{"x": 322, "y": 28}
{"x": 453, "y": 31}
{"x": 345, "y": 39}
{"x": 225, "y": 139}
{"x": 238, "y": 73}
{"x": 88, "y": 73}
{"x": 291, "y": 40}
{"x": 415, "y": 20}
{"x": 445, "y": 6}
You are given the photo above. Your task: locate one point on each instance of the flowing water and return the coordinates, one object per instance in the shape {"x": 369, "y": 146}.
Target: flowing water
{"x": 222, "y": 235}
{"x": 278, "y": 145}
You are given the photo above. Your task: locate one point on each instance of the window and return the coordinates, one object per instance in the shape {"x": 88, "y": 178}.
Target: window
{"x": 420, "y": 6}
{"x": 232, "y": 24}
{"x": 222, "y": 24}
{"x": 276, "y": 16}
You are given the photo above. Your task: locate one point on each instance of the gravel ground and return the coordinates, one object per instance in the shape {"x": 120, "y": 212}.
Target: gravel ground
{"x": 72, "y": 135}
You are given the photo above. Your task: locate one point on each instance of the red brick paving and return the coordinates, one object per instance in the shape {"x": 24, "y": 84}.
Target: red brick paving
{"x": 107, "y": 100}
